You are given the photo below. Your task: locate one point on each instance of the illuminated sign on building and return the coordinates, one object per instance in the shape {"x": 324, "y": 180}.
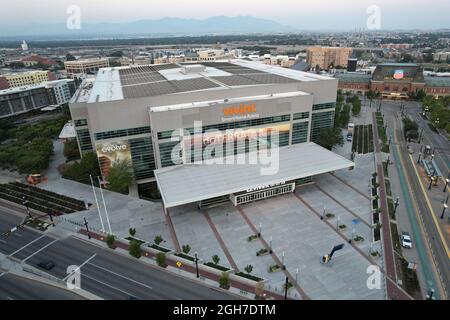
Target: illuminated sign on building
{"x": 399, "y": 74}
{"x": 240, "y": 112}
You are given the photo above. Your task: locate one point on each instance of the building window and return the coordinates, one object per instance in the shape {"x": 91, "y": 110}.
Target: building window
{"x": 324, "y": 106}
{"x": 301, "y": 115}
{"x": 121, "y": 133}
{"x": 84, "y": 139}
{"x": 80, "y": 122}
{"x": 300, "y": 132}
{"x": 142, "y": 157}
{"x": 165, "y": 153}
{"x": 319, "y": 121}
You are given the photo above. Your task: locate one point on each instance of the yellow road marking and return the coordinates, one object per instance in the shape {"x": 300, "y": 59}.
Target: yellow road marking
{"x": 433, "y": 214}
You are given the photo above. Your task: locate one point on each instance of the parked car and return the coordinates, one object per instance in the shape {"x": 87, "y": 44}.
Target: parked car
{"x": 406, "y": 240}
{"x": 47, "y": 265}
{"x": 349, "y": 138}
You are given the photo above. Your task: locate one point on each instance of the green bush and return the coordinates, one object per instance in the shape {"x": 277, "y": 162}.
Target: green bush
{"x": 161, "y": 259}
{"x": 110, "y": 240}
{"x": 134, "y": 248}
{"x": 186, "y": 248}
{"x": 215, "y": 259}
{"x": 132, "y": 231}
{"x": 248, "y": 268}
{"x": 158, "y": 239}
{"x": 224, "y": 280}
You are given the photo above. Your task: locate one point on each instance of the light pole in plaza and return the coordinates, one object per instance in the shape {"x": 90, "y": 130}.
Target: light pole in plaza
{"x": 446, "y": 184}
{"x": 282, "y": 261}
{"x": 260, "y": 229}
{"x": 445, "y": 206}
{"x": 420, "y": 155}
{"x": 270, "y": 245}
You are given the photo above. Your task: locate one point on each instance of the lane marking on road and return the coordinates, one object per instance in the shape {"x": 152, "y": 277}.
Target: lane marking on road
{"x": 122, "y": 276}
{"x": 433, "y": 214}
{"x": 110, "y": 286}
{"x": 80, "y": 266}
{"x": 44, "y": 247}
{"x": 30, "y": 243}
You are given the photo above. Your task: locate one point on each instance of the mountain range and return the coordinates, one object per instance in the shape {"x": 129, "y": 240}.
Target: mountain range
{"x": 164, "y": 26}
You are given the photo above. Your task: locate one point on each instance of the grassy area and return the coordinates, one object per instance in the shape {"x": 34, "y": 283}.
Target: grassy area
{"x": 396, "y": 238}
{"x": 216, "y": 266}
{"x": 185, "y": 256}
{"x": 387, "y": 184}
{"x": 156, "y": 247}
{"x": 249, "y": 276}
{"x": 391, "y": 208}
{"x": 409, "y": 277}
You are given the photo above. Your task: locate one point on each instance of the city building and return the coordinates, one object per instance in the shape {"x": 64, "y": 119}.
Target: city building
{"x": 214, "y": 55}
{"x": 394, "y": 81}
{"x": 19, "y": 100}
{"x": 327, "y": 57}
{"x": 443, "y": 56}
{"x": 352, "y": 64}
{"x": 86, "y": 65}
{"x": 35, "y": 59}
{"x": 132, "y": 112}
{"x": 280, "y": 60}
{"x": 20, "y": 79}
{"x": 24, "y": 46}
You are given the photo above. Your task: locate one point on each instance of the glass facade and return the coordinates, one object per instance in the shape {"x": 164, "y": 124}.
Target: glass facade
{"x": 300, "y": 132}
{"x": 121, "y": 133}
{"x": 142, "y": 157}
{"x": 165, "y": 153}
{"x": 319, "y": 121}
{"x": 301, "y": 115}
{"x": 84, "y": 139}
{"x": 323, "y": 106}
{"x": 80, "y": 122}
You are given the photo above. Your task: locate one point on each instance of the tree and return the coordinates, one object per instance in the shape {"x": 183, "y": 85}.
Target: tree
{"x": 248, "y": 268}
{"x": 224, "y": 280}
{"x": 215, "y": 259}
{"x": 71, "y": 151}
{"x": 134, "y": 248}
{"x": 161, "y": 259}
{"x": 186, "y": 248}
{"x": 120, "y": 176}
{"x": 80, "y": 170}
{"x": 329, "y": 137}
{"x": 158, "y": 239}
{"x": 70, "y": 57}
{"x": 132, "y": 231}
{"x": 110, "y": 240}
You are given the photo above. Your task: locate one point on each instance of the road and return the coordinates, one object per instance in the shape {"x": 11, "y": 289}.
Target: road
{"x": 13, "y": 287}
{"x": 431, "y": 251}
{"x": 103, "y": 272}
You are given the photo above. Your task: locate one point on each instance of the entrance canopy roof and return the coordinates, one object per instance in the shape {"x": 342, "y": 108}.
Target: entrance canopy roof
{"x": 195, "y": 182}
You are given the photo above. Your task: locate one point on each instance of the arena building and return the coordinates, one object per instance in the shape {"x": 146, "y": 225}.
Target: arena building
{"x": 136, "y": 113}
{"x": 394, "y": 81}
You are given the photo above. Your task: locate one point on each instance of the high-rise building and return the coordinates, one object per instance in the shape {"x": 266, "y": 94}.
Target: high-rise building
{"x": 328, "y": 57}
{"x": 20, "y": 79}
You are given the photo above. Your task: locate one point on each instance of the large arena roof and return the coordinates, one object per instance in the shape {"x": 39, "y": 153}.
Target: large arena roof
{"x": 190, "y": 183}
{"x": 117, "y": 83}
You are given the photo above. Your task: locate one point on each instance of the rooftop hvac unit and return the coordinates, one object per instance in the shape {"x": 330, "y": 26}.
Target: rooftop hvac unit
{"x": 193, "y": 68}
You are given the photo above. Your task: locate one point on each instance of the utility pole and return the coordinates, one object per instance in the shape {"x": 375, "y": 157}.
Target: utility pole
{"x": 446, "y": 184}
{"x": 25, "y": 203}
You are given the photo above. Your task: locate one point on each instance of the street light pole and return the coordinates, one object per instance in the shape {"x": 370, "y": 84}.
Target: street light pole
{"x": 446, "y": 184}
{"x": 270, "y": 245}
{"x": 25, "y": 203}
{"x": 431, "y": 181}
{"x": 445, "y": 206}
{"x": 420, "y": 155}
{"x": 286, "y": 288}
{"x": 196, "y": 264}
{"x": 396, "y": 204}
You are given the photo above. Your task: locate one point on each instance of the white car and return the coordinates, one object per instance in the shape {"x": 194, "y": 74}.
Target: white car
{"x": 406, "y": 240}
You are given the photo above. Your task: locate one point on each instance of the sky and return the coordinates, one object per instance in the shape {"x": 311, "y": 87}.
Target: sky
{"x": 300, "y": 14}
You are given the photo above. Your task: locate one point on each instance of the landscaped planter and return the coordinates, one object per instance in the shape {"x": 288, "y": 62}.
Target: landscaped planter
{"x": 217, "y": 266}
{"x": 329, "y": 216}
{"x": 253, "y": 237}
{"x": 262, "y": 252}
{"x": 274, "y": 268}
{"x": 358, "y": 239}
{"x": 157, "y": 248}
{"x": 342, "y": 227}
{"x": 245, "y": 280}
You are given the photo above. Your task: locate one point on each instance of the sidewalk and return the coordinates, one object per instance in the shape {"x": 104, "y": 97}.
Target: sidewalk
{"x": 393, "y": 291}
{"x": 238, "y": 287}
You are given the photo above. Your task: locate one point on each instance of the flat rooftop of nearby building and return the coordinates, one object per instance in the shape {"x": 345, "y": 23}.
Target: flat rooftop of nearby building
{"x": 117, "y": 83}
{"x": 190, "y": 183}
